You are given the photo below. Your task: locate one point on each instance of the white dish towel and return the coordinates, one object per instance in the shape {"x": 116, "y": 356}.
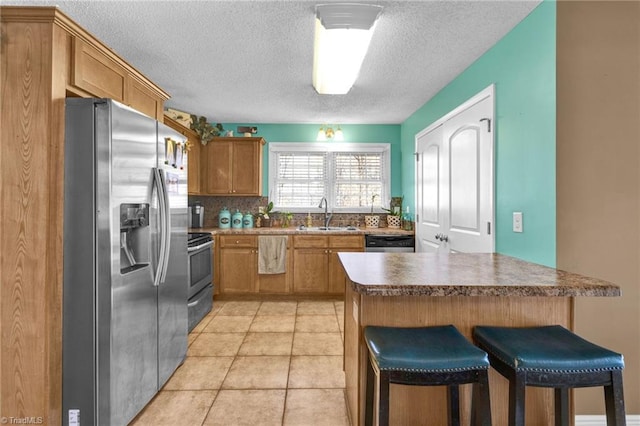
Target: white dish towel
{"x": 272, "y": 254}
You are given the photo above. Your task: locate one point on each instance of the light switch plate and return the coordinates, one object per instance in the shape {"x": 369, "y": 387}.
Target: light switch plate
{"x": 517, "y": 222}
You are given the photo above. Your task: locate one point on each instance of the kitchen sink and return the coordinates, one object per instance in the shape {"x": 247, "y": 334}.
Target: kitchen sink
{"x": 328, "y": 228}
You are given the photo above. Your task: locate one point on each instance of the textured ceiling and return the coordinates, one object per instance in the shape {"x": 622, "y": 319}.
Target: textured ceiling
{"x": 250, "y": 61}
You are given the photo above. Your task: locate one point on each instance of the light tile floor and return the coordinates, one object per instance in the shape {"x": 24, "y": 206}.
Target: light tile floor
{"x": 258, "y": 363}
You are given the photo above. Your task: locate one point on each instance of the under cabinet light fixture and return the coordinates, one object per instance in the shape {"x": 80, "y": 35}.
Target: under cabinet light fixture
{"x": 342, "y": 36}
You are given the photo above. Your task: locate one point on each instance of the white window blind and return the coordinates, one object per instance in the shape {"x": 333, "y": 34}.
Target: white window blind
{"x": 301, "y": 178}
{"x": 348, "y": 175}
{"x": 357, "y": 177}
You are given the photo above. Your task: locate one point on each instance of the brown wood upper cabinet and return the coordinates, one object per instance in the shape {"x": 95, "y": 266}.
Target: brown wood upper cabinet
{"x": 94, "y": 72}
{"x": 232, "y": 166}
{"x": 193, "y": 156}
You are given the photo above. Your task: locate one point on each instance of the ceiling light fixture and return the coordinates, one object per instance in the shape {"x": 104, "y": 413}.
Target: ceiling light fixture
{"x": 329, "y": 133}
{"x": 342, "y": 36}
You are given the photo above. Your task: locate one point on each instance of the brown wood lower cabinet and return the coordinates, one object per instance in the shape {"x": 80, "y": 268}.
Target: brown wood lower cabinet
{"x": 317, "y": 268}
{"x": 311, "y": 273}
{"x": 278, "y": 283}
{"x": 238, "y": 267}
{"x": 313, "y": 267}
{"x": 238, "y": 264}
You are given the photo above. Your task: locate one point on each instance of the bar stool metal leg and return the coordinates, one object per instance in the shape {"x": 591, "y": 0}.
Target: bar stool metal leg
{"x": 614, "y": 400}
{"x": 480, "y": 401}
{"x": 562, "y": 406}
{"x": 453, "y": 405}
{"x": 383, "y": 399}
{"x": 516, "y": 399}
{"x": 369, "y": 404}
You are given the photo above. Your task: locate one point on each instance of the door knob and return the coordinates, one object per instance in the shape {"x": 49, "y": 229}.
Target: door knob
{"x": 438, "y": 236}
{"x": 444, "y": 238}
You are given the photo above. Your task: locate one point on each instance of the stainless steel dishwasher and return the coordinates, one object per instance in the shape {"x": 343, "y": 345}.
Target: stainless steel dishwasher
{"x": 390, "y": 243}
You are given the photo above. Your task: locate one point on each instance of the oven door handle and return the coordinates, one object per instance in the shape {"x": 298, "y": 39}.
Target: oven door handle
{"x": 200, "y": 247}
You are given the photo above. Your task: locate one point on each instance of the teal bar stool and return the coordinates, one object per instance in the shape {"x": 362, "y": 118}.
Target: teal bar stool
{"x": 426, "y": 356}
{"x": 552, "y": 357}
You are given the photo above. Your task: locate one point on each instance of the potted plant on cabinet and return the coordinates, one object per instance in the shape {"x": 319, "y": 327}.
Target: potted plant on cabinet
{"x": 263, "y": 213}
{"x": 371, "y": 221}
{"x": 205, "y": 130}
{"x": 394, "y": 218}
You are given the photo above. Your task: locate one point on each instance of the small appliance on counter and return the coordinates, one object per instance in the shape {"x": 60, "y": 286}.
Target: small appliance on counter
{"x": 224, "y": 218}
{"x": 196, "y": 216}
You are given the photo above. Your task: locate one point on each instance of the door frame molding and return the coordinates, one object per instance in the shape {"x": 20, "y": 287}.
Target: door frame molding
{"x": 489, "y": 91}
{"x": 485, "y": 93}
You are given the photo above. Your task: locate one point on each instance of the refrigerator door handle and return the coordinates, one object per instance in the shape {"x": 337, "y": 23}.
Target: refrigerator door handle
{"x": 167, "y": 226}
{"x": 161, "y": 225}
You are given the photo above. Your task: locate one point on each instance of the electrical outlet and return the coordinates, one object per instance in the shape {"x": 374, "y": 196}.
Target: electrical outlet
{"x": 517, "y": 222}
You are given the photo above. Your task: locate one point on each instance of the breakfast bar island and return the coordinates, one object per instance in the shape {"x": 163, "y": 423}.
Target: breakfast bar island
{"x": 463, "y": 289}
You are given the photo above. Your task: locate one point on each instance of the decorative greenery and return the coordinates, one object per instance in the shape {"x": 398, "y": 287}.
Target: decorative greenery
{"x": 391, "y": 210}
{"x": 286, "y": 218}
{"x": 264, "y": 211}
{"x": 204, "y": 129}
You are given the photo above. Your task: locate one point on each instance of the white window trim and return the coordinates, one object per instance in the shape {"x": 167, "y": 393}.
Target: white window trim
{"x": 330, "y": 147}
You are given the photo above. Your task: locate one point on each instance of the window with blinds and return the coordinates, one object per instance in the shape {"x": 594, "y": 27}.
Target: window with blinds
{"x": 348, "y": 175}
{"x": 357, "y": 177}
{"x": 301, "y": 179}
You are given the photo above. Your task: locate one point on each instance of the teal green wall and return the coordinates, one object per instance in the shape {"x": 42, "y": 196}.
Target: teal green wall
{"x": 522, "y": 67}
{"x": 388, "y": 133}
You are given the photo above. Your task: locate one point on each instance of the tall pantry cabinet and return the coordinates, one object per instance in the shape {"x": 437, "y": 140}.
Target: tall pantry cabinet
{"x": 45, "y": 57}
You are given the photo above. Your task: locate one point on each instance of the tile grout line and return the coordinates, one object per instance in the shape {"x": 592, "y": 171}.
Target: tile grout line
{"x": 229, "y": 369}
{"x": 286, "y": 389}
{"x": 225, "y": 376}
{"x": 254, "y": 317}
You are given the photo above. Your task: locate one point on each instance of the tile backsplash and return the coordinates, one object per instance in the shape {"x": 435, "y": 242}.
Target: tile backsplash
{"x": 213, "y": 205}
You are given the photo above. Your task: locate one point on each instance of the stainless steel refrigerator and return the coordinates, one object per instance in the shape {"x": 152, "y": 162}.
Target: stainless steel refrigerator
{"x": 125, "y": 261}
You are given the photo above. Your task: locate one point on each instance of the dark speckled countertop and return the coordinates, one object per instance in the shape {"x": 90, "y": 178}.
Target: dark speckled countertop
{"x": 464, "y": 274}
{"x": 295, "y": 231}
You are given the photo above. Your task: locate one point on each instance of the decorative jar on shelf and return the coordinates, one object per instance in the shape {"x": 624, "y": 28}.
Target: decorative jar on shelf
{"x": 236, "y": 219}
{"x": 247, "y": 220}
{"x": 224, "y": 218}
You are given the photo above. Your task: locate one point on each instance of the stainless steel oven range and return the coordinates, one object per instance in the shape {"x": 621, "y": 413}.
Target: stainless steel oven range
{"x": 199, "y": 276}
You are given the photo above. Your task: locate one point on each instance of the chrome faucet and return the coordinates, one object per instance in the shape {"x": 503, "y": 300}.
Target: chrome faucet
{"x": 327, "y": 218}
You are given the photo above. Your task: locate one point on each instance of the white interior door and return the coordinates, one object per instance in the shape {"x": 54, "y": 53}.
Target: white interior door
{"x": 455, "y": 173}
{"x": 429, "y": 218}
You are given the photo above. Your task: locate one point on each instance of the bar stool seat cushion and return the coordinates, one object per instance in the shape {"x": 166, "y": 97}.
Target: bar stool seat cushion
{"x": 423, "y": 349}
{"x": 546, "y": 348}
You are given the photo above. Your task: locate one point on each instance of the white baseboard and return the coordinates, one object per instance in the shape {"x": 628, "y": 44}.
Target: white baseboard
{"x": 632, "y": 420}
